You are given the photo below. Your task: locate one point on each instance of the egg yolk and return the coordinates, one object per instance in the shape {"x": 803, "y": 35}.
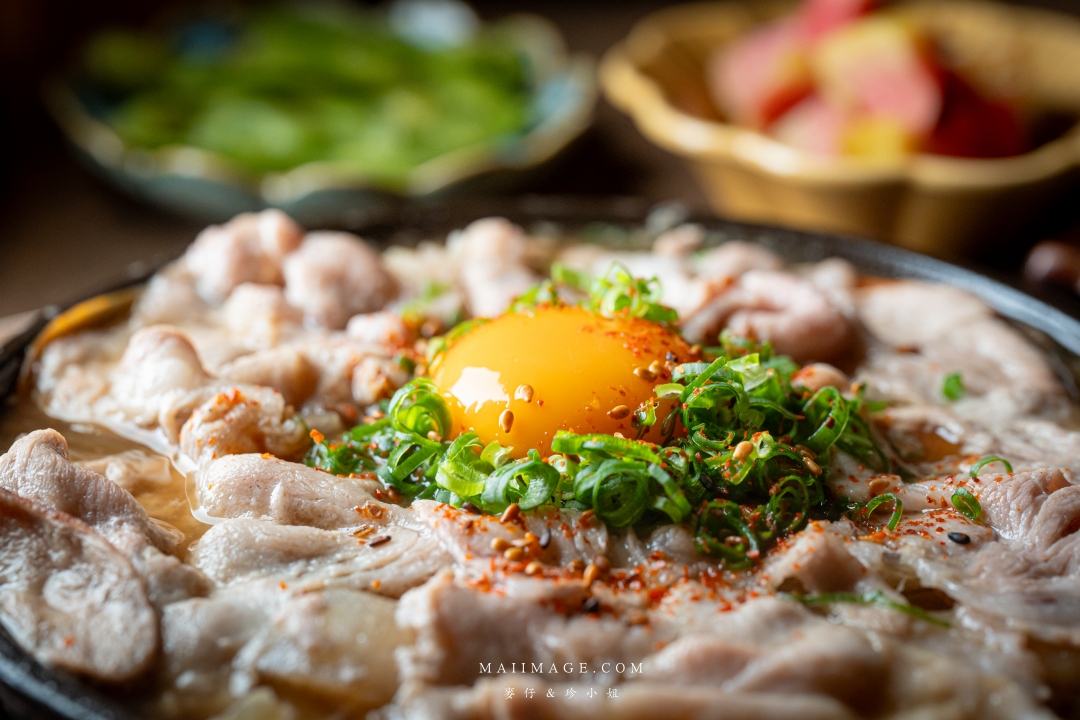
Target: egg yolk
{"x": 555, "y": 368}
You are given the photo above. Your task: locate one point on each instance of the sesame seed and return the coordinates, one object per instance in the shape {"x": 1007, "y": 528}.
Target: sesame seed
{"x": 524, "y": 393}
{"x": 618, "y": 412}
{"x": 545, "y": 538}
{"x": 813, "y": 467}
{"x": 591, "y": 573}
{"x": 534, "y": 568}
{"x": 378, "y": 540}
{"x": 510, "y": 513}
{"x": 591, "y": 606}
{"x": 960, "y": 538}
{"x": 695, "y": 350}
{"x": 644, "y": 373}
{"x": 743, "y": 450}
{"x": 506, "y": 420}
{"x": 655, "y": 367}
{"x": 470, "y": 508}
{"x": 602, "y": 564}
{"x": 434, "y": 436}
{"x": 513, "y": 554}
{"x": 500, "y": 544}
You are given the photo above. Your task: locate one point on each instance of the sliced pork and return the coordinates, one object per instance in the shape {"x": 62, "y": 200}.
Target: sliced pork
{"x": 69, "y": 597}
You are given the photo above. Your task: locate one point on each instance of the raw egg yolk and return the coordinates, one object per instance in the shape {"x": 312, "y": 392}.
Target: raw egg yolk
{"x": 555, "y": 368}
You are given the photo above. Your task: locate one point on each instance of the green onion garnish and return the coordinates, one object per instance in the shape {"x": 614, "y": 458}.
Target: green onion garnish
{"x": 746, "y": 467}
{"x": 898, "y": 508}
{"x": 875, "y": 597}
{"x": 984, "y": 461}
{"x": 967, "y": 504}
{"x": 953, "y": 387}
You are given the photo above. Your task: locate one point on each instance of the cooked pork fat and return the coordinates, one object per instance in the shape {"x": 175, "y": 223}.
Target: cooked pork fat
{"x": 387, "y": 561}
{"x": 69, "y": 597}
{"x": 37, "y": 468}
{"x": 335, "y": 646}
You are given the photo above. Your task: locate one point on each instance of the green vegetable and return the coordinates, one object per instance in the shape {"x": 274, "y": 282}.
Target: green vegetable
{"x": 953, "y": 387}
{"x": 875, "y": 597}
{"x": 898, "y": 508}
{"x": 967, "y": 504}
{"x": 295, "y": 84}
{"x": 984, "y": 461}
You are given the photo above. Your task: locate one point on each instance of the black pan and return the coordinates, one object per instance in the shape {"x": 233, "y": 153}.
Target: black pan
{"x": 29, "y": 691}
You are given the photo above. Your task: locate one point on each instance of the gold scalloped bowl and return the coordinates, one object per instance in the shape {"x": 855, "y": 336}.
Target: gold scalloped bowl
{"x": 929, "y": 203}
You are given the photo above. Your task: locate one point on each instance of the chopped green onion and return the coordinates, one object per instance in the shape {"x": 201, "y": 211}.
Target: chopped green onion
{"x": 984, "y": 461}
{"x": 530, "y": 483}
{"x": 875, "y": 597}
{"x": 967, "y": 504}
{"x": 418, "y": 408}
{"x": 461, "y": 471}
{"x": 953, "y": 387}
{"x": 898, "y": 508}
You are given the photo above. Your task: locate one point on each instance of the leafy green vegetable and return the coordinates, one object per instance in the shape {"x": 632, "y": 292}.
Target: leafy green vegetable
{"x": 953, "y": 387}
{"x": 875, "y": 597}
{"x": 984, "y": 461}
{"x": 287, "y": 85}
{"x": 967, "y": 504}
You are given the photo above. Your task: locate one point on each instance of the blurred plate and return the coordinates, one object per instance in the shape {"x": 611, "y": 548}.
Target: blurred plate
{"x": 206, "y": 186}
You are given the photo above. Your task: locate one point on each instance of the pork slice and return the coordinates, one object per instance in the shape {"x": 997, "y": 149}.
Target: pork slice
{"x": 159, "y": 361}
{"x": 242, "y": 419}
{"x": 509, "y": 697}
{"x": 815, "y": 560}
{"x": 68, "y": 597}
{"x": 338, "y": 644}
{"x": 387, "y": 561}
{"x": 490, "y": 254}
{"x": 259, "y": 317}
{"x": 335, "y": 275}
{"x": 466, "y": 536}
{"x": 824, "y": 659}
{"x": 37, "y": 467}
{"x": 170, "y": 297}
{"x": 462, "y": 627}
{"x": 1005, "y": 377}
{"x": 285, "y": 369}
{"x": 334, "y": 645}
{"x": 910, "y": 313}
{"x": 253, "y": 486}
{"x": 249, "y": 248}
{"x": 131, "y": 468}
{"x": 788, "y": 311}
{"x": 734, "y": 259}
{"x": 1017, "y": 569}
{"x": 1035, "y": 510}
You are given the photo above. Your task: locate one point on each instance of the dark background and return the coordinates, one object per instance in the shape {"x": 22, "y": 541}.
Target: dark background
{"x": 63, "y": 233}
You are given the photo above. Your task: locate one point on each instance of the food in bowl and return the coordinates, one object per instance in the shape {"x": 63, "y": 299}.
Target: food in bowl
{"x": 375, "y": 94}
{"x": 531, "y": 476}
{"x": 843, "y": 77}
